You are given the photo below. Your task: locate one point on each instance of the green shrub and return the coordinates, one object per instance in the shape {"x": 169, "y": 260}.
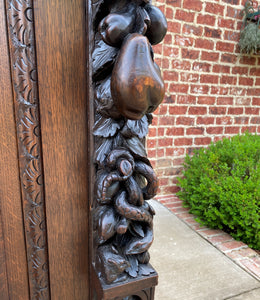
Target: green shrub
{"x": 221, "y": 185}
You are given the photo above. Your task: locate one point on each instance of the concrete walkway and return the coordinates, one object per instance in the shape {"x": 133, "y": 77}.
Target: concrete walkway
{"x": 191, "y": 268}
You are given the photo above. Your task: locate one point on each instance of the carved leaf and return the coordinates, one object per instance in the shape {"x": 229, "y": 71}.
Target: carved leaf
{"x": 103, "y": 58}
{"x": 107, "y": 223}
{"x": 136, "y": 146}
{"x": 105, "y": 104}
{"x": 136, "y": 229}
{"x": 133, "y": 269}
{"x": 105, "y": 127}
{"x": 145, "y": 270}
{"x": 136, "y": 128}
{"x": 139, "y": 245}
{"x": 28, "y": 131}
{"x": 103, "y": 147}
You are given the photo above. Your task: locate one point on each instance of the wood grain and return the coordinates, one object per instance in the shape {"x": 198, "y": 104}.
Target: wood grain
{"x": 10, "y": 200}
{"x": 61, "y": 58}
{"x": 26, "y": 106}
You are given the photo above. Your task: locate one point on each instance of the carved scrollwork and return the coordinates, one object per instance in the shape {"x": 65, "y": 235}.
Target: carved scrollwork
{"x": 25, "y": 86}
{"x": 128, "y": 87}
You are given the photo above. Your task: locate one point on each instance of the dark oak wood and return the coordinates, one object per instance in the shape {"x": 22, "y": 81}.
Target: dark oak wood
{"x": 11, "y": 216}
{"x": 20, "y": 20}
{"x": 127, "y": 88}
{"x": 61, "y": 59}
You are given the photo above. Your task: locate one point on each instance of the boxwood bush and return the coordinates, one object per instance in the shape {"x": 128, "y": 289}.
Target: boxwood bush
{"x": 221, "y": 185}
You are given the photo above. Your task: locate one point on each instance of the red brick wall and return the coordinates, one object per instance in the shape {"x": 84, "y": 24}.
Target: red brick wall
{"x": 211, "y": 90}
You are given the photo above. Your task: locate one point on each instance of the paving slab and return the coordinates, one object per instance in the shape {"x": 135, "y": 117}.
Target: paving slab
{"x": 252, "y": 295}
{"x": 191, "y": 268}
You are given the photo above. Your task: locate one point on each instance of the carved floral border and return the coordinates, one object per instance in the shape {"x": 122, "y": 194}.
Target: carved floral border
{"x": 20, "y": 25}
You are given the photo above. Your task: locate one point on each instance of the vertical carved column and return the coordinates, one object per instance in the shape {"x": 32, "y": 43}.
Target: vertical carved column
{"x": 128, "y": 87}
{"x": 25, "y": 87}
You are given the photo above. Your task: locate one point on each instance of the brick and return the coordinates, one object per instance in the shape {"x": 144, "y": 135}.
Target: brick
{"x": 228, "y": 58}
{"x": 204, "y": 44}
{"x": 251, "y": 129}
{"x": 178, "y": 110}
{"x": 209, "y": 78}
{"x": 186, "y": 99}
{"x": 189, "y": 77}
{"x": 165, "y": 63}
{"x": 256, "y": 101}
{"x": 170, "y": 99}
{"x": 197, "y": 110}
{"x": 167, "y": 120}
{"x": 192, "y": 5}
{"x": 219, "y": 90}
{"x": 240, "y": 70}
{"x": 231, "y": 130}
{"x": 252, "y": 111}
{"x": 169, "y": 13}
{"x": 190, "y": 54}
{"x": 199, "y": 89}
{"x": 206, "y": 100}
{"x": 161, "y": 131}
{"x": 206, "y": 19}
{"x": 205, "y": 120}
{"x": 202, "y": 141}
{"x": 181, "y": 65}
{"x": 171, "y": 189}
{"x": 226, "y": 23}
{"x": 224, "y": 121}
{"x": 220, "y": 239}
{"x": 217, "y": 110}
{"x": 241, "y": 120}
{"x": 174, "y": 27}
{"x": 152, "y": 132}
{"x": 232, "y": 2}
{"x": 229, "y": 246}
{"x": 170, "y": 51}
{"x": 214, "y": 8}
{"x": 195, "y": 131}
{"x": 225, "y": 47}
{"x": 231, "y": 35}
{"x": 231, "y": 80}
{"x": 170, "y": 75}
{"x": 178, "y": 88}
{"x": 192, "y": 29}
{"x": 253, "y": 92}
{"x": 246, "y": 81}
{"x": 151, "y": 143}
{"x": 232, "y": 12}
{"x": 183, "y": 142}
{"x": 242, "y": 101}
{"x": 175, "y": 131}
{"x": 183, "y": 41}
{"x": 164, "y": 142}
{"x": 225, "y": 101}
{"x": 210, "y": 232}
{"x": 235, "y": 110}
{"x": 185, "y": 121}
{"x": 175, "y": 3}
{"x": 167, "y": 40}
{"x": 255, "y": 120}
{"x": 212, "y": 33}
{"x": 184, "y": 16}
{"x": 254, "y": 72}
{"x": 221, "y": 69}
{"x": 175, "y": 152}
{"x": 215, "y": 130}
{"x": 210, "y": 56}
{"x": 201, "y": 67}
{"x": 237, "y": 91}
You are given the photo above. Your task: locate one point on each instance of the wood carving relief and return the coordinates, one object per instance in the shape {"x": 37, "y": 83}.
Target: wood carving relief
{"x": 128, "y": 88}
{"x": 26, "y": 103}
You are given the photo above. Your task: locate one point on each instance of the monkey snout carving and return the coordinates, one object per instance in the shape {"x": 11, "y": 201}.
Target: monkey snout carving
{"x": 136, "y": 85}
